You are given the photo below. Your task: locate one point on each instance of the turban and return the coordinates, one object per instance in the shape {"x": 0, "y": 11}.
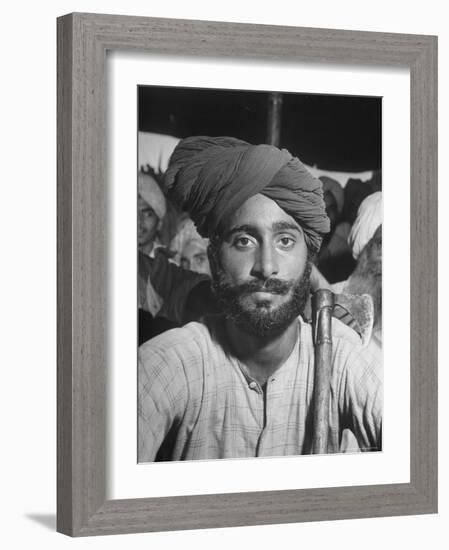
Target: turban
{"x": 212, "y": 177}
{"x": 151, "y": 193}
{"x": 369, "y": 217}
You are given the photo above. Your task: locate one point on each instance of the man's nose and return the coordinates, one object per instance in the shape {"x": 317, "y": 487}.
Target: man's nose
{"x": 266, "y": 262}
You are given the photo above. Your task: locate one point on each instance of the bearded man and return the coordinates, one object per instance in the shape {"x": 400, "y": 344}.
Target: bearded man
{"x": 240, "y": 384}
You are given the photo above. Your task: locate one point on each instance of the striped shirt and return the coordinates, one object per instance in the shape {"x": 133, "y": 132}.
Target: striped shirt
{"x": 197, "y": 401}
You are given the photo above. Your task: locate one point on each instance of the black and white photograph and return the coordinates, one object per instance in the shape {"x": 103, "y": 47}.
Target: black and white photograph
{"x": 224, "y": 248}
{"x": 259, "y": 245}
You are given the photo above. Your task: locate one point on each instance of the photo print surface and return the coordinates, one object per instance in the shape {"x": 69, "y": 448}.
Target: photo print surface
{"x": 259, "y": 238}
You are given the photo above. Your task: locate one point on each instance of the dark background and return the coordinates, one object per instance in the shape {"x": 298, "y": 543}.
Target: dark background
{"x": 341, "y": 133}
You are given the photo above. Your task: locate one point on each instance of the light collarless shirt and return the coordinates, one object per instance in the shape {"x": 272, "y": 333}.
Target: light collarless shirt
{"x": 197, "y": 401}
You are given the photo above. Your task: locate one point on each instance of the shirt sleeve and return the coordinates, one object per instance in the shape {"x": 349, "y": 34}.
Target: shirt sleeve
{"x": 361, "y": 397}
{"x": 162, "y": 398}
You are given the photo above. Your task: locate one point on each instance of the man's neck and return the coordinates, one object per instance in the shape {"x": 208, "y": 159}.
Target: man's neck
{"x": 262, "y": 356}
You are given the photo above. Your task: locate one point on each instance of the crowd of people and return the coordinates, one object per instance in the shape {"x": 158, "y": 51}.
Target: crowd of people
{"x": 182, "y": 215}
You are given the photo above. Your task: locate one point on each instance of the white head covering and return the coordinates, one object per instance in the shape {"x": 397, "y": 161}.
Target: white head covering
{"x": 186, "y": 233}
{"x": 369, "y": 217}
{"x": 151, "y": 193}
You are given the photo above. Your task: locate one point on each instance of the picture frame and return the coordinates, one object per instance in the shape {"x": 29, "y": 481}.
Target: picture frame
{"x": 83, "y": 41}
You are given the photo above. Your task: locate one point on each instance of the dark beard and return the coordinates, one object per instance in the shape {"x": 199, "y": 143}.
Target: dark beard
{"x": 260, "y": 321}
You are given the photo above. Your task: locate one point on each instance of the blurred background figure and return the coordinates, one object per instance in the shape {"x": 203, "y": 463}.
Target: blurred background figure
{"x": 356, "y": 191}
{"x": 189, "y": 250}
{"x": 369, "y": 217}
{"x": 365, "y": 240}
{"x": 335, "y": 261}
{"x": 151, "y": 210}
{"x": 173, "y": 281}
{"x": 367, "y": 279}
{"x": 334, "y": 198}
{"x": 194, "y": 256}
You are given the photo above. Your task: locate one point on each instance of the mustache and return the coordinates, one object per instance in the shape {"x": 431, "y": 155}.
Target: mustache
{"x": 272, "y": 286}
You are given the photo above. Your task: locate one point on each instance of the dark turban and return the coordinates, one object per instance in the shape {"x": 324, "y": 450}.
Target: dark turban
{"x": 212, "y": 177}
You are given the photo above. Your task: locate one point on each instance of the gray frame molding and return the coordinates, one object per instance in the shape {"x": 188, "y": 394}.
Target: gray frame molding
{"x": 83, "y": 40}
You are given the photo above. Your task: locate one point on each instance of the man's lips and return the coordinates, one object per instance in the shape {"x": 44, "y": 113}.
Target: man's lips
{"x": 269, "y": 289}
{"x": 264, "y": 293}
{"x": 258, "y": 290}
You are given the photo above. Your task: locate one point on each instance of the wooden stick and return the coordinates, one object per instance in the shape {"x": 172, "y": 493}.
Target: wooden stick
{"x": 274, "y": 118}
{"x": 323, "y": 303}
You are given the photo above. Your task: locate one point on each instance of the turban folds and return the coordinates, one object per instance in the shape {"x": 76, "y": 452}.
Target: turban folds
{"x": 212, "y": 177}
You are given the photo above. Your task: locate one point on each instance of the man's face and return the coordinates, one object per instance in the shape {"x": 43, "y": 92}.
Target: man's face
{"x": 194, "y": 257}
{"x": 261, "y": 271}
{"x": 147, "y": 223}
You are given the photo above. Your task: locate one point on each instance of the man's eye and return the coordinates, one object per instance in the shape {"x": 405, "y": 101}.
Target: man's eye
{"x": 243, "y": 242}
{"x": 148, "y": 213}
{"x": 200, "y": 260}
{"x": 286, "y": 242}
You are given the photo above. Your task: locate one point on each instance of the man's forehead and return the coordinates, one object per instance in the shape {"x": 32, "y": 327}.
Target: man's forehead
{"x": 260, "y": 212}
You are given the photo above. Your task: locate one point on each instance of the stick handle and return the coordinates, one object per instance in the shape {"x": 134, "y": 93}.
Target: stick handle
{"x": 323, "y": 304}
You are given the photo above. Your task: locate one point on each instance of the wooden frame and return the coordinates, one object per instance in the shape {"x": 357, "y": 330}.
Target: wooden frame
{"x": 83, "y": 40}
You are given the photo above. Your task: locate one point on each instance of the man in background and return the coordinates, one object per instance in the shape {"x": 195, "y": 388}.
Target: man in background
{"x": 151, "y": 210}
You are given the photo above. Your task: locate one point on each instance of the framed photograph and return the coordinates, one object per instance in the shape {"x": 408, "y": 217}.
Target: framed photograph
{"x": 165, "y": 419}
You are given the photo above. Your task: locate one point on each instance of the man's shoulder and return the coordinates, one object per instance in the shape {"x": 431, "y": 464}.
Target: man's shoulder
{"x": 347, "y": 345}
{"x": 192, "y": 340}
{"x": 350, "y": 353}
{"x": 341, "y": 333}
{"x": 344, "y": 333}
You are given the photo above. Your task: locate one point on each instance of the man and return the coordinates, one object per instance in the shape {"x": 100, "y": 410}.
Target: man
{"x": 151, "y": 210}
{"x": 365, "y": 240}
{"x": 194, "y": 256}
{"x": 240, "y": 384}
